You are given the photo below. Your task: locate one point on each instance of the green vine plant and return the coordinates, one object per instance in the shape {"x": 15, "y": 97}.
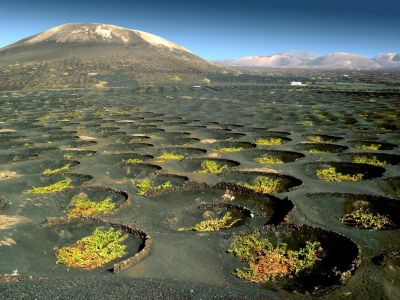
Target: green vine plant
{"x": 307, "y": 123}
{"x": 56, "y": 170}
{"x": 132, "y": 161}
{"x": 315, "y": 139}
{"x": 93, "y": 251}
{"x": 319, "y": 139}
{"x": 145, "y": 187}
{"x": 171, "y": 156}
{"x": 81, "y": 206}
{"x": 229, "y": 149}
{"x": 212, "y": 167}
{"x": 269, "y": 141}
{"x": 227, "y": 221}
{"x": 68, "y": 156}
{"x": 266, "y": 262}
{"x": 369, "y": 160}
{"x": 370, "y": 147}
{"x": 265, "y": 185}
{"x": 52, "y": 188}
{"x": 268, "y": 160}
{"x": 316, "y": 151}
{"x": 330, "y": 174}
{"x": 363, "y": 218}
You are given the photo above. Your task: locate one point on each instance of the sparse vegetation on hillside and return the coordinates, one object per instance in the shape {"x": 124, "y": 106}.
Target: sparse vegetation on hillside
{"x": 176, "y": 78}
{"x": 116, "y": 64}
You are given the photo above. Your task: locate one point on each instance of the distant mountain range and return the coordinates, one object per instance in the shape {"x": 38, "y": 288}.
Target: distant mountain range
{"x": 293, "y": 59}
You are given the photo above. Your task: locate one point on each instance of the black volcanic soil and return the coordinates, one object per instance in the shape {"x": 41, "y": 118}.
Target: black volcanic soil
{"x": 84, "y": 128}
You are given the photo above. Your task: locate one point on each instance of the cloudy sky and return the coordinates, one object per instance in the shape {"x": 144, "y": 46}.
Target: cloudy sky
{"x": 217, "y": 29}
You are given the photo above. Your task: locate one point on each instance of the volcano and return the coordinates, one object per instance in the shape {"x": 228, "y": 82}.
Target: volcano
{"x": 98, "y": 56}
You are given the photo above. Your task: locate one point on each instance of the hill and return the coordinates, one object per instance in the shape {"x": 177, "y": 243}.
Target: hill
{"x": 98, "y": 55}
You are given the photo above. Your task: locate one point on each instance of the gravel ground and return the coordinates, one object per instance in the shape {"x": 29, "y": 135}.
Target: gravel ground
{"x": 112, "y": 288}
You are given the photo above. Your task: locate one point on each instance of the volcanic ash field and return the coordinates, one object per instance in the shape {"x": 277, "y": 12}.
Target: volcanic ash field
{"x": 255, "y": 190}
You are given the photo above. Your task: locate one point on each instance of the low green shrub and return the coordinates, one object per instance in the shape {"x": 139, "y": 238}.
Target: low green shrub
{"x": 266, "y": 262}
{"x": 84, "y": 207}
{"x": 171, "y": 156}
{"x": 52, "y": 188}
{"x": 210, "y": 166}
{"x": 132, "y": 161}
{"x": 227, "y": 221}
{"x": 93, "y": 251}
{"x": 229, "y": 149}
{"x": 369, "y": 160}
{"x": 265, "y": 185}
{"x": 370, "y": 147}
{"x": 268, "y": 160}
{"x": 56, "y": 170}
{"x": 363, "y": 218}
{"x": 330, "y": 174}
{"x": 269, "y": 141}
{"x": 145, "y": 187}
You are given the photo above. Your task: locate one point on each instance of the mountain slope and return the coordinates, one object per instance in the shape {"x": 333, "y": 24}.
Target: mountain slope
{"x": 98, "y": 55}
{"x": 95, "y": 34}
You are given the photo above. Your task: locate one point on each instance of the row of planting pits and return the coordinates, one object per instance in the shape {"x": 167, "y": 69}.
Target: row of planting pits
{"x": 71, "y": 177}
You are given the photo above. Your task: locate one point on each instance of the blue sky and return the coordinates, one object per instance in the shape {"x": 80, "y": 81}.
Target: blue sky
{"x": 218, "y": 29}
